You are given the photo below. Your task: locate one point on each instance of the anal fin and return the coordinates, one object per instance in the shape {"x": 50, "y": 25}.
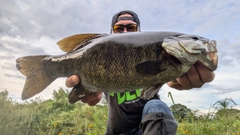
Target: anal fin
{"x": 150, "y": 92}
{"x": 77, "y": 93}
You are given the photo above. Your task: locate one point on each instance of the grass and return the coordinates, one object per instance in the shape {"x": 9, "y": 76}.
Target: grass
{"x": 217, "y": 126}
{"x": 51, "y": 117}
{"x": 58, "y": 117}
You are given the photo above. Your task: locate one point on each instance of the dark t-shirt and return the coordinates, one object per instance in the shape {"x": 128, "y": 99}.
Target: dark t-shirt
{"x": 124, "y": 111}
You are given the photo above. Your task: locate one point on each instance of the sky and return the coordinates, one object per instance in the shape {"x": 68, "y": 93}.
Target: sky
{"x": 33, "y": 27}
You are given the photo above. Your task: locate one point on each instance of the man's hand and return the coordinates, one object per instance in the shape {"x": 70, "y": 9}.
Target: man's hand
{"x": 91, "y": 99}
{"x": 194, "y": 78}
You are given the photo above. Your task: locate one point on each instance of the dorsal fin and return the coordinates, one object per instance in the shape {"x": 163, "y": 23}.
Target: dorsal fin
{"x": 69, "y": 43}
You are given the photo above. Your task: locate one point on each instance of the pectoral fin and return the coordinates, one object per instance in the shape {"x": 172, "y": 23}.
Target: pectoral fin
{"x": 150, "y": 67}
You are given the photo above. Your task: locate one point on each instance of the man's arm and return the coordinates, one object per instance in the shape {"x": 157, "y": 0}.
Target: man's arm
{"x": 196, "y": 77}
{"x": 91, "y": 99}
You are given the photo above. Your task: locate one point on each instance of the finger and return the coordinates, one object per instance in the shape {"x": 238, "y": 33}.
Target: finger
{"x": 194, "y": 78}
{"x": 174, "y": 82}
{"x": 90, "y": 98}
{"x": 184, "y": 82}
{"x": 95, "y": 101}
{"x": 174, "y": 85}
{"x": 206, "y": 74}
{"x": 181, "y": 83}
{"x": 72, "y": 81}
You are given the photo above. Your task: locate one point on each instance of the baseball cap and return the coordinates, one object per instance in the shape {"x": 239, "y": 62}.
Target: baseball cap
{"x": 134, "y": 17}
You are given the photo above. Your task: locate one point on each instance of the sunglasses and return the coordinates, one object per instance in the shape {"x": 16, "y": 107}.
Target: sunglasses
{"x": 129, "y": 28}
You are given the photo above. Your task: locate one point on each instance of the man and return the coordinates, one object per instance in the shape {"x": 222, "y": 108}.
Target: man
{"x": 127, "y": 113}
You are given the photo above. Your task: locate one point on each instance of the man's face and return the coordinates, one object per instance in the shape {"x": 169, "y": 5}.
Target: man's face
{"x": 125, "y": 25}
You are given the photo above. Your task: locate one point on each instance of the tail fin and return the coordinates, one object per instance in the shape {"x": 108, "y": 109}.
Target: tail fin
{"x": 36, "y": 78}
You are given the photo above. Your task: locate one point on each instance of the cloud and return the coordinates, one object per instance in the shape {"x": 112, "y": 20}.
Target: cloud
{"x": 13, "y": 46}
{"x": 216, "y": 89}
{"x": 34, "y": 19}
{"x": 11, "y": 49}
{"x": 15, "y": 76}
{"x": 8, "y": 65}
{"x": 33, "y": 28}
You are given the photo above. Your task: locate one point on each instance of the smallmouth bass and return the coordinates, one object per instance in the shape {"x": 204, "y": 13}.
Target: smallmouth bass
{"x": 118, "y": 62}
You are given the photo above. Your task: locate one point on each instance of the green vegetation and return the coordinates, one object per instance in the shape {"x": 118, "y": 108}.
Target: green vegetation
{"x": 50, "y": 117}
{"x": 221, "y": 119}
{"x": 57, "y": 117}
